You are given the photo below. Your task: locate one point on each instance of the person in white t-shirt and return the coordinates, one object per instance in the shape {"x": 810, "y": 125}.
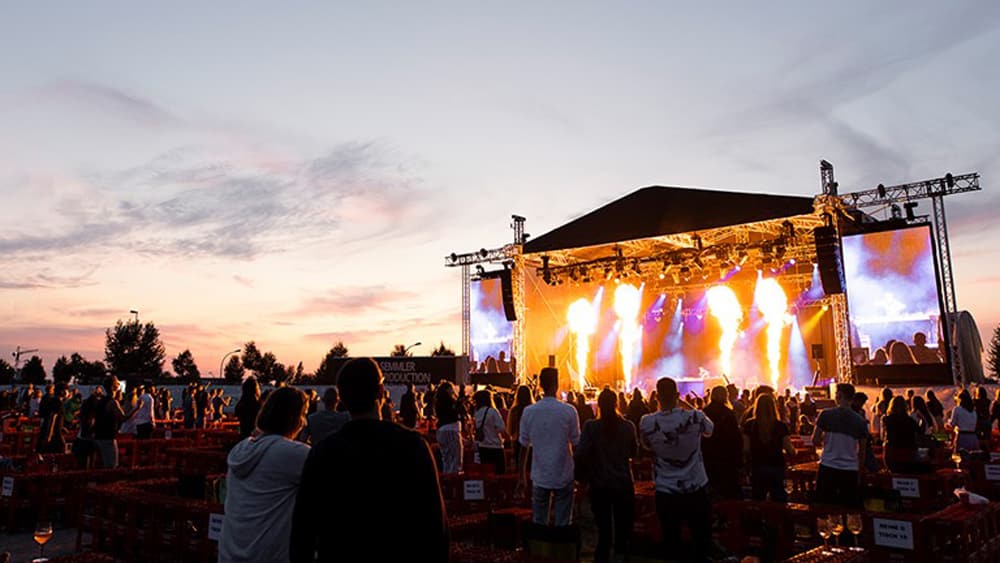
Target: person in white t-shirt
{"x": 144, "y": 420}
{"x": 490, "y": 429}
{"x": 674, "y": 435}
{"x": 550, "y": 428}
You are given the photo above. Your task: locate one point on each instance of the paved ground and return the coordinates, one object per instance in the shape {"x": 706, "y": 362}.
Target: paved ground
{"x": 23, "y": 547}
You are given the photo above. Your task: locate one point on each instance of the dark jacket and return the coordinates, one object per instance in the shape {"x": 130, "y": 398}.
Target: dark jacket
{"x": 606, "y": 457}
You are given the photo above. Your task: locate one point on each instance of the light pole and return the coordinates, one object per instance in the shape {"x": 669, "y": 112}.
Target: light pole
{"x": 414, "y": 345}
{"x": 136, "y": 313}
{"x": 223, "y": 361}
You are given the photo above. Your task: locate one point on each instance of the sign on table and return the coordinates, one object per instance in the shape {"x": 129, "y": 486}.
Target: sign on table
{"x": 474, "y": 490}
{"x": 992, "y": 472}
{"x": 893, "y": 533}
{"x": 215, "y": 526}
{"x": 8, "y": 487}
{"x": 908, "y": 488}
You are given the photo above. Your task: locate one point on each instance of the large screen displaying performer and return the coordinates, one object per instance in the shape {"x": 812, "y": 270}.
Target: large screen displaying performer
{"x": 491, "y": 332}
{"x": 893, "y": 298}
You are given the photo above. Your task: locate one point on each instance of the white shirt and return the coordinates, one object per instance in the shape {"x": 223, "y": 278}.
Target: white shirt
{"x": 964, "y": 420}
{"x": 144, "y": 415}
{"x": 489, "y": 421}
{"x": 549, "y": 427}
{"x": 675, "y": 437}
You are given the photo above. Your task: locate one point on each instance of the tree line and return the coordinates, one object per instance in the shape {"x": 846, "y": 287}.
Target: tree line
{"x": 135, "y": 350}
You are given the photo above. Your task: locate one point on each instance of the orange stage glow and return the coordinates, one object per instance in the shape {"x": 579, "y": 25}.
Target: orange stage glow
{"x": 726, "y": 309}
{"x": 582, "y": 319}
{"x": 773, "y": 305}
{"x": 627, "y": 303}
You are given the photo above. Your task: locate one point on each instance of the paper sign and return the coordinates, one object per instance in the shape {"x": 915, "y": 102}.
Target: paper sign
{"x": 992, "y": 472}
{"x": 994, "y": 456}
{"x": 168, "y": 434}
{"x": 474, "y": 490}
{"x": 8, "y": 487}
{"x": 807, "y": 440}
{"x": 893, "y": 533}
{"x": 215, "y": 526}
{"x": 908, "y": 488}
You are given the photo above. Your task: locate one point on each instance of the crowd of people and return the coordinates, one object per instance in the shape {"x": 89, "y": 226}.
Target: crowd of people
{"x": 350, "y": 457}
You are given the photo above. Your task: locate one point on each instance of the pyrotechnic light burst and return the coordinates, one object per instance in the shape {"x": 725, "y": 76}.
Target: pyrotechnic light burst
{"x": 627, "y": 303}
{"x": 773, "y": 305}
{"x": 582, "y": 320}
{"x": 726, "y": 309}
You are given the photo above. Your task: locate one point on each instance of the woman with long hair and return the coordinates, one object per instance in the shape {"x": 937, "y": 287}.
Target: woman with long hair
{"x": 522, "y": 398}
{"x": 936, "y": 409}
{"x": 766, "y": 442}
{"x": 963, "y": 422}
{"x": 603, "y": 459}
{"x": 922, "y": 415}
{"x": 899, "y": 436}
{"x": 721, "y": 451}
{"x": 450, "y": 412}
{"x": 489, "y": 431}
{"x": 248, "y": 406}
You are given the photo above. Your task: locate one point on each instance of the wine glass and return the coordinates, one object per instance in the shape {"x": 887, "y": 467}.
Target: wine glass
{"x": 855, "y": 525}
{"x": 823, "y": 529}
{"x": 837, "y": 528}
{"x": 43, "y": 533}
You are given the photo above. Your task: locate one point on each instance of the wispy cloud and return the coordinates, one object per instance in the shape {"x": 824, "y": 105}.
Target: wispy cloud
{"x": 353, "y": 300}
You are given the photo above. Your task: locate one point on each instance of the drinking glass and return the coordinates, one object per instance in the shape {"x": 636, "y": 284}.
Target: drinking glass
{"x": 837, "y": 528}
{"x": 854, "y": 525}
{"x": 43, "y": 533}
{"x": 823, "y": 529}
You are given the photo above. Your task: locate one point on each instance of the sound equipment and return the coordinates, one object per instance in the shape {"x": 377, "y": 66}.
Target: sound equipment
{"x": 507, "y": 294}
{"x": 829, "y": 260}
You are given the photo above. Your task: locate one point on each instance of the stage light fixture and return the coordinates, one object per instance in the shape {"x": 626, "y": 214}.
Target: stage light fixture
{"x": 697, "y": 262}
{"x": 789, "y": 229}
{"x": 686, "y": 273}
{"x": 696, "y": 242}
{"x": 607, "y": 272}
{"x": 636, "y": 267}
{"x": 676, "y": 278}
{"x": 909, "y": 206}
{"x": 743, "y": 256}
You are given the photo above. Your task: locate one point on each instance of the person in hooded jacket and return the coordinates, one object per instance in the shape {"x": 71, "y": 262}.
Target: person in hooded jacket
{"x": 263, "y": 481}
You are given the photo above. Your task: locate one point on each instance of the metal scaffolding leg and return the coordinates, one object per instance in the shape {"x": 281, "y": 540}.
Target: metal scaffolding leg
{"x": 943, "y": 248}
{"x": 466, "y": 312}
{"x": 517, "y": 346}
{"x": 842, "y": 334}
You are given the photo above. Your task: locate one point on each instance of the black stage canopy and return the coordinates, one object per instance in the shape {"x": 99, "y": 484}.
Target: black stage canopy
{"x": 659, "y": 211}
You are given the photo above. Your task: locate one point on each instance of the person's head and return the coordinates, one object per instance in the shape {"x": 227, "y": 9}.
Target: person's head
{"x": 919, "y": 405}
{"x": 920, "y": 339}
{"x": 549, "y": 380}
{"x": 804, "y": 420}
{"x": 931, "y": 397}
{"x": 806, "y": 398}
{"x": 283, "y": 413}
{"x": 502, "y": 355}
{"x": 483, "y": 398}
{"x": 965, "y": 400}
{"x": 858, "y": 403}
{"x": 900, "y": 354}
{"x": 666, "y": 392}
{"x": 733, "y": 392}
{"x": 763, "y": 390}
{"x": 523, "y": 397}
{"x": 765, "y": 412}
{"x": 886, "y": 394}
{"x": 360, "y": 384}
{"x": 571, "y": 397}
{"x": 50, "y": 389}
{"x": 898, "y": 406}
{"x": 845, "y": 394}
{"x": 110, "y": 385}
{"x": 607, "y": 406}
{"x": 880, "y": 358}
{"x": 981, "y": 394}
{"x": 330, "y": 398}
{"x": 636, "y": 394}
{"x": 720, "y": 395}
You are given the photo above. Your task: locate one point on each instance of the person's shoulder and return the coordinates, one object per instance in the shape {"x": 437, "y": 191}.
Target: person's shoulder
{"x": 648, "y": 419}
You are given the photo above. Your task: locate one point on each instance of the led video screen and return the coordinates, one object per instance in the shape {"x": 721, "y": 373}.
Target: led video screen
{"x": 893, "y": 298}
{"x": 491, "y": 333}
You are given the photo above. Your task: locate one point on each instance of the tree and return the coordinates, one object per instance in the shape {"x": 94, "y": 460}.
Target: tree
{"x": 339, "y": 350}
{"x": 400, "y": 351}
{"x": 77, "y": 368}
{"x": 326, "y": 373}
{"x": 234, "y": 371}
{"x": 993, "y": 356}
{"x": 185, "y": 368}
{"x": 134, "y": 349}
{"x": 442, "y": 350}
{"x": 252, "y": 358}
{"x": 33, "y": 371}
{"x": 7, "y": 372}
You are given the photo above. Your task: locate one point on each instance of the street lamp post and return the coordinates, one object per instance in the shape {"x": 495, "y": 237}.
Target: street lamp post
{"x": 414, "y": 345}
{"x": 136, "y": 313}
{"x": 223, "y": 361}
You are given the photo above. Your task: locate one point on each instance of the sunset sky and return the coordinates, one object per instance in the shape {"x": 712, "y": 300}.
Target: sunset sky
{"x": 294, "y": 172}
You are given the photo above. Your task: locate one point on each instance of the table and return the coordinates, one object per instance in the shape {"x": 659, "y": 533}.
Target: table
{"x": 816, "y": 555}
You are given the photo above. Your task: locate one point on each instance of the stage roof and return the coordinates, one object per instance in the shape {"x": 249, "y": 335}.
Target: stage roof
{"x": 659, "y": 210}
